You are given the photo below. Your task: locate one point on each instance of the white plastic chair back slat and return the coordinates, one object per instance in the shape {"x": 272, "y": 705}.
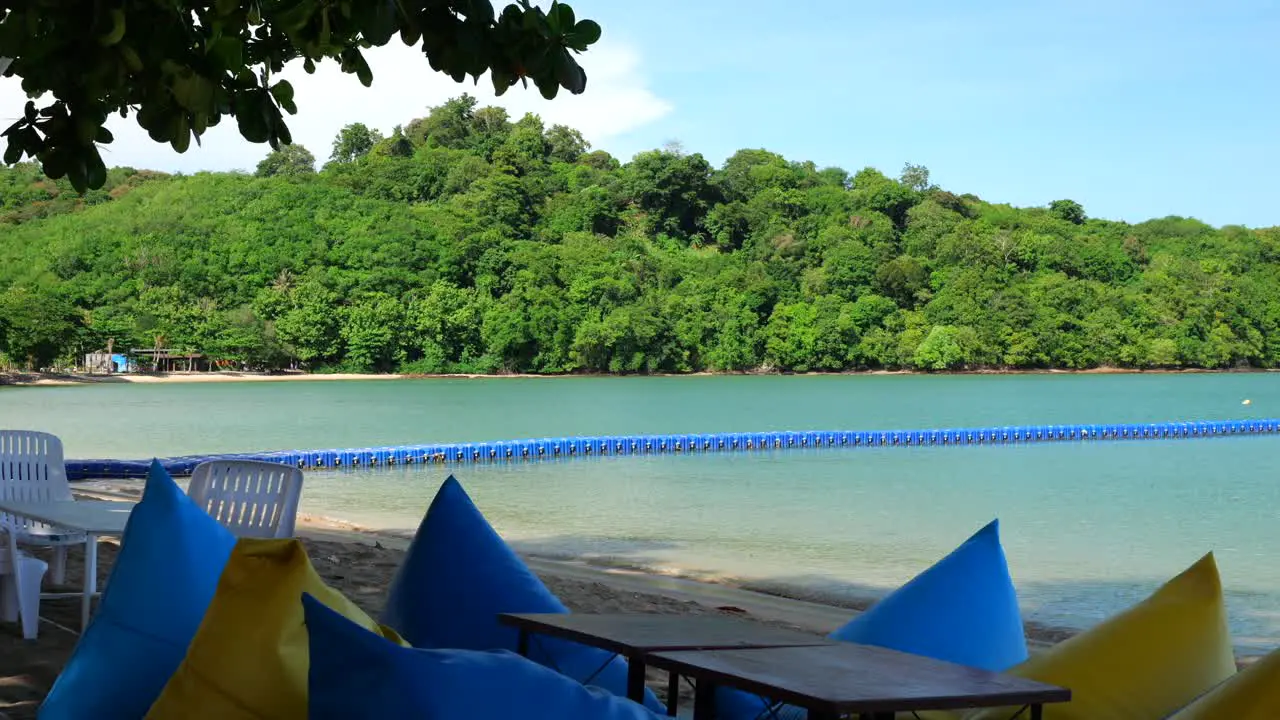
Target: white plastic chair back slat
{"x": 32, "y": 469}
{"x": 250, "y": 498}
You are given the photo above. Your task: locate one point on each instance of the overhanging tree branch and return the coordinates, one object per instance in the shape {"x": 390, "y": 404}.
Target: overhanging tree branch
{"x": 181, "y": 65}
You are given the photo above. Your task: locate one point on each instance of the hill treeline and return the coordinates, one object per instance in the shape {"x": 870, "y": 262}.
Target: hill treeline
{"x": 468, "y": 242}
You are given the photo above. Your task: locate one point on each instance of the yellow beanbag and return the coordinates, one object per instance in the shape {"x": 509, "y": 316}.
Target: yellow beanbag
{"x": 1146, "y": 662}
{"x": 249, "y": 659}
{"x": 1253, "y": 694}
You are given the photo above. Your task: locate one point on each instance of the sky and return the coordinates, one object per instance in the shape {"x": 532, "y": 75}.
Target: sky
{"x": 1134, "y": 108}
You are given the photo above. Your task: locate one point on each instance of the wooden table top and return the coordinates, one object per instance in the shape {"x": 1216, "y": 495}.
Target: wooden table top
{"x": 846, "y": 678}
{"x": 634, "y": 633}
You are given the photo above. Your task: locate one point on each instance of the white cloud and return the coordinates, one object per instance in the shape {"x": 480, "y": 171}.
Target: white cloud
{"x": 616, "y": 102}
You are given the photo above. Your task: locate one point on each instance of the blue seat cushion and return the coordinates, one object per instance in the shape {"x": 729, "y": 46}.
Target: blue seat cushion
{"x": 164, "y": 577}
{"x": 359, "y": 675}
{"x": 459, "y": 574}
{"x": 963, "y": 609}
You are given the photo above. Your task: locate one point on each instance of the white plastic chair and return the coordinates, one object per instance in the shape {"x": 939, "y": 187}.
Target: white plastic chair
{"x": 32, "y": 470}
{"x": 20, "y": 591}
{"x": 250, "y": 498}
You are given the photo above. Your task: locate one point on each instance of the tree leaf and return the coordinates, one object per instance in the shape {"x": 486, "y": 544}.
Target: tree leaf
{"x": 586, "y": 33}
{"x": 116, "y": 33}
{"x": 380, "y": 21}
{"x": 96, "y": 170}
{"x": 86, "y": 129}
{"x": 252, "y": 123}
{"x": 54, "y": 165}
{"x": 283, "y": 93}
{"x": 560, "y": 18}
{"x": 180, "y": 136}
{"x": 228, "y": 51}
{"x": 13, "y": 153}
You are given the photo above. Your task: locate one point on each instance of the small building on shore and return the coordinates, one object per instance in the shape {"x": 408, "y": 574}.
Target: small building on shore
{"x": 169, "y": 360}
{"x": 108, "y": 363}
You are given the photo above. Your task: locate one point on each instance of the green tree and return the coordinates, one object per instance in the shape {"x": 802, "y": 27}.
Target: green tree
{"x": 945, "y": 348}
{"x": 38, "y": 327}
{"x": 566, "y": 144}
{"x": 353, "y": 142}
{"x": 371, "y": 329}
{"x": 499, "y": 246}
{"x": 675, "y": 188}
{"x": 309, "y": 329}
{"x": 1069, "y": 210}
{"x": 915, "y": 177}
{"x": 288, "y": 161}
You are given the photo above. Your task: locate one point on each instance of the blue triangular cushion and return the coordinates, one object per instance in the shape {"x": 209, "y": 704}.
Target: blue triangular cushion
{"x": 963, "y": 609}
{"x": 459, "y": 574}
{"x": 358, "y": 675}
{"x": 164, "y": 577}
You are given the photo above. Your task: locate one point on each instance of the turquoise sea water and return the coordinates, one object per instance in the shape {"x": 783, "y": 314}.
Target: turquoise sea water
{"x": 1089, "y": 528}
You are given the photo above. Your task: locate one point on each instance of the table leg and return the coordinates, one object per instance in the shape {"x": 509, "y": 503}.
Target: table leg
{"x": 673, "y": 693}
{"x": 522, "y": 642}
{"x": 635, "y": 679}
{"x": 1037, "y": 712}
{"x": 704, "y": 700}
{"x": 90, "y": 579}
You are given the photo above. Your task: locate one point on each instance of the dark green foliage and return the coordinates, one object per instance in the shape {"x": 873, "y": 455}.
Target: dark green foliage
{"x": 180, "y": 66}
{"x": 467, "y": 242}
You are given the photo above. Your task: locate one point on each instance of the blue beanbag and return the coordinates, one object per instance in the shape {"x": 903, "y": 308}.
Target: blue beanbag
{"x": 963, "y": 609}
{"x": 459, "y": 575}
{"x": 164, "y": 577}
{"x": 356, "y": 674}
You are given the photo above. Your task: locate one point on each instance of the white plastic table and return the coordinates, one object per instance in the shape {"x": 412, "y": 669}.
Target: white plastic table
{"x": 94, "y": 518}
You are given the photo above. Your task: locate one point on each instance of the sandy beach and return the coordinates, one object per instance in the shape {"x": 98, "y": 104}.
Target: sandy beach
{"x": 44, "y": 379}
{"x": 361, "y": 563}
{"x": 71, "y": 379}
{"x": 360, "y": 567}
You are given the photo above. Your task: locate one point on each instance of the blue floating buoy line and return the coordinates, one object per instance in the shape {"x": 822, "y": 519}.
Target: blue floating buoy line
{"x": 623, "y": 445}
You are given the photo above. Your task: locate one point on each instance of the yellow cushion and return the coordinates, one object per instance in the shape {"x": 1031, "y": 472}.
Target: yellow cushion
{"x": 249, "y": 659}
{"x": 1253, "y": 694}
{"x": 1146, "y": 662}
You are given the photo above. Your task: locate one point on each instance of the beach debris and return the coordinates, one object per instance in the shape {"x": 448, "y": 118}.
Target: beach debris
{"x": 731, "y": 609}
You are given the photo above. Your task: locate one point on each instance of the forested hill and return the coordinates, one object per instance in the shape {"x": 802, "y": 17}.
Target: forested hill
{"x": 467, "y": 242}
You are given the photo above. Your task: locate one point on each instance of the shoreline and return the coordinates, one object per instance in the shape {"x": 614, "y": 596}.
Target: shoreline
{"x": 761, "y": 600}
{"x": 758, "y": 599}
{"x": 34, "y": 379}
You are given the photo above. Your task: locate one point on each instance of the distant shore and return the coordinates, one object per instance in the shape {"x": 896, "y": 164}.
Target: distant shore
{"x": 69, "y": 379}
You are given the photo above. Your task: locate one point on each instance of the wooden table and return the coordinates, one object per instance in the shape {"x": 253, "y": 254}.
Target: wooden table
{"x": 636, "y": 635}
{"x": 94, "y": 518}
{"x": 843, "y": 678}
